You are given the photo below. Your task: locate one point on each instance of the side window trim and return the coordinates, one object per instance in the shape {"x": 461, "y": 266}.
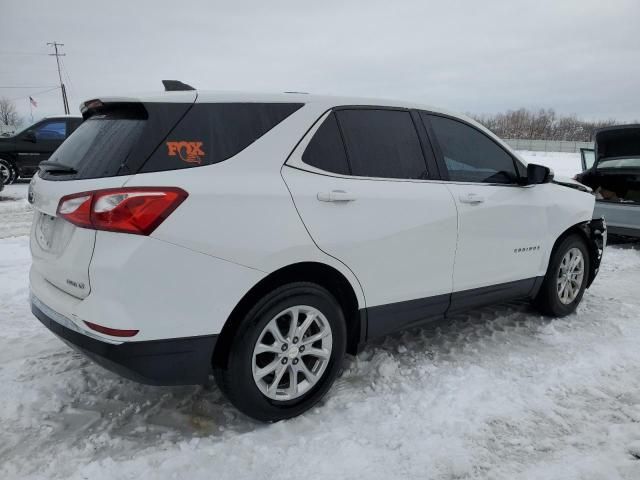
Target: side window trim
{"x": 440, "y": 156}
{"x": 344, "y": 144}
{"x": 434, "y": 171}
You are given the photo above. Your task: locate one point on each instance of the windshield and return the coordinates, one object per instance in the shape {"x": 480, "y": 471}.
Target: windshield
{"x": 627, "y": 162}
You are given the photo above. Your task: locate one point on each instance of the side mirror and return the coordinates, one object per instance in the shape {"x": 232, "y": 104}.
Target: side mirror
{"x": 537, "y": 174}
{"x": 30, "y": 136}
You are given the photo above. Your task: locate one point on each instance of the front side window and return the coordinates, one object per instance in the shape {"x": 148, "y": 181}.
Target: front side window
{"x": 382, "y": 143}
{"x": 53, "y": 130}
{"x": 470, "y": 155}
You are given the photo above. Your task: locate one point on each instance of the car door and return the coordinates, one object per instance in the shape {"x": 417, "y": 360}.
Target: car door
{"x": 587, "y": 157}
{"x": 368, "y": 202}
{"x": 39, "y": 142}
{"x": 502, "y": 225}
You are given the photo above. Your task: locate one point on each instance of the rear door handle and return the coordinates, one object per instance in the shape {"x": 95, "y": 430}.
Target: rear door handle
{"x": 336, "y": 196}
{"x": 471, "y": 198}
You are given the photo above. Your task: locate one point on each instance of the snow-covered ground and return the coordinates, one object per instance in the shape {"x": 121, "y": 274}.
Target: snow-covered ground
{"x": 501, "y": 393}
{"x": 563, "y": 164}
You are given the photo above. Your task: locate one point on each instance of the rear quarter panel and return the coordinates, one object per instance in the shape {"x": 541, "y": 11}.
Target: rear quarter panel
{"x": 240, "y": 210}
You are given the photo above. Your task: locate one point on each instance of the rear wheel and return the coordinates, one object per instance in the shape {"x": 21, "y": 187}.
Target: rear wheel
{"x": 566, "y": 278}
{"x": 8, "y": 172}
{"x": 286, "y": 353}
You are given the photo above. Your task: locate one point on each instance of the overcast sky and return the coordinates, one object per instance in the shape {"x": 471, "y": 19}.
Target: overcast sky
{"x": 576, "y": 56}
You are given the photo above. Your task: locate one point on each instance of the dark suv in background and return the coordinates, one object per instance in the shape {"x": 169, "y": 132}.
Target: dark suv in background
{"x": 20, "y": 154}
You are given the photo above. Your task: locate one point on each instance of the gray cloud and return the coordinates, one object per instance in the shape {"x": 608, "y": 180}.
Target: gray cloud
{"x": 577, "y": 56}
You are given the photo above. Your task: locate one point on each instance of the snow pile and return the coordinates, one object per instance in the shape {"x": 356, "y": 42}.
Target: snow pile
{"x": 499, "y": 393}
{"x": 15, "y": 211}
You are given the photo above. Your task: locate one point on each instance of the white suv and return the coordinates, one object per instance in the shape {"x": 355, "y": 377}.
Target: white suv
{"x": 261, "y": 237}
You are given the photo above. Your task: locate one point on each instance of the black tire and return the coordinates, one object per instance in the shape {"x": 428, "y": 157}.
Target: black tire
{"x": 6, "y": 165}
{"x": 548, "y": 298}
{"x": 235, "y": 378}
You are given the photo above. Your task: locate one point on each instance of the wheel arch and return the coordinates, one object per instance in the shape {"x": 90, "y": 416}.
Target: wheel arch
{"x": 320, "y": 273}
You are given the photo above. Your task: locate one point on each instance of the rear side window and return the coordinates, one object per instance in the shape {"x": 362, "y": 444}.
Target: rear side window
{"x": 470, "y": 155}
{"x": 213, "y": 132}
{"x": 382, "y": 143}
{"x": 326, "y": 150}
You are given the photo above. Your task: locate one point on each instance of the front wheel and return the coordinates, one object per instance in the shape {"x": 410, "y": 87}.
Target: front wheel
{"x": 8, "y": 172}
{"x": 566, "y": 278}
{"x": 286, "y": 353}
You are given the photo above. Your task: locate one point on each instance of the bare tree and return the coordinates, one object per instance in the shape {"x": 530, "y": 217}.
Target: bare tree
{"x": 8, "y": 113}
{"x": 541, "y": 125}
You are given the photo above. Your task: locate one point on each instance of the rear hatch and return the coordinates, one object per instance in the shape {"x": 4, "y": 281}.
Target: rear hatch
{"x": 113, "y": 142}
{"x": 616, "y": 177}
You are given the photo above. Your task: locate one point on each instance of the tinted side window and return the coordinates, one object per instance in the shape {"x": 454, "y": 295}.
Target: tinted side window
{"x": 213, "y": 132}
{"x": 54, "y": 130}
{"x": 326, "y": 150}
{"x": 469, "y": 155}
{"x": 382, "y": 143}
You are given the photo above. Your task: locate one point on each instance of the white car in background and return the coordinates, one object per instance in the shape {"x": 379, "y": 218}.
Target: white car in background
{"x": 261, "y": 237}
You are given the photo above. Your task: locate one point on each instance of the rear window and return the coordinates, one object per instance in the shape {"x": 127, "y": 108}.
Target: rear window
{"x": 213, "y": 132}
{"x": 129, "y": 138}
{"x": 98, "y": 147}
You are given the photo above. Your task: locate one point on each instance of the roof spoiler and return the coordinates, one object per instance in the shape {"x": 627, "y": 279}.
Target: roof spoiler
{"x": 176, "y": 86}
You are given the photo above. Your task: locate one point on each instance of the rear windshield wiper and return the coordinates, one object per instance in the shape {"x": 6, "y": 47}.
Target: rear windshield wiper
{"x": 53, "y": 166}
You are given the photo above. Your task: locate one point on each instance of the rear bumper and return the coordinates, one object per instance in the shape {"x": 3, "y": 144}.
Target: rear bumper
{"x": 176, "y": 361}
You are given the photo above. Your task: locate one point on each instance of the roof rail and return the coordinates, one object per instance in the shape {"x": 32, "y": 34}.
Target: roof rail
{"x": 176, "y": 86}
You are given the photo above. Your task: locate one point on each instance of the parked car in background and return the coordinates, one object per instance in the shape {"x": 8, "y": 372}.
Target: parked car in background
{"x": 612, "y": 170}
{"x": 260, "y": 237}
{"x": 20, "y": 154}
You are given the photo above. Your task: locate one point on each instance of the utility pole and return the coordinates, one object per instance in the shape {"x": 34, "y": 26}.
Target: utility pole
{"x": 65, "y": 102}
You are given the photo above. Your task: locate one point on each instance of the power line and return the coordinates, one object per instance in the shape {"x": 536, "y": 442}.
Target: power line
{"x": 22, "y": 53}
{"x": 27, "y": 87}
{"x": 35, "y": 93}
{"x": 55, "y": 46}
{"x": 65, "y": 70}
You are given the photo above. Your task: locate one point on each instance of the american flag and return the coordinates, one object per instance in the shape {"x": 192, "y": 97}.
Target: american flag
{"x": 33, "y": 102}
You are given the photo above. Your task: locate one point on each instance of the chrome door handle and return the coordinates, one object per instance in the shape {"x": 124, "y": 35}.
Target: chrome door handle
{"x": 471, "y": 198}
{"x": 336, "y": 196}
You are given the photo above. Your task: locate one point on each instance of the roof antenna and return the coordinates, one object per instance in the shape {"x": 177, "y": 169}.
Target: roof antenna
{"x": 176, "y": 86}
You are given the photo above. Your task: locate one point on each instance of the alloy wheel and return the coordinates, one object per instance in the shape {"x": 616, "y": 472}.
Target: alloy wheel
{"x": 5, "y": 173}
{"x": 570, "y": 275}
{"x": 292, "y": 353}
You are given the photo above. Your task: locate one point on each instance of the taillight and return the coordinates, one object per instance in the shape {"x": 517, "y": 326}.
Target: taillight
{"x": 137, "y": 210}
